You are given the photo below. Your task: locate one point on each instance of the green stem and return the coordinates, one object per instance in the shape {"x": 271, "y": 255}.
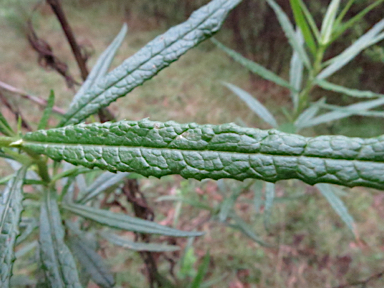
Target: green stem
{"x": 6, "y": 141}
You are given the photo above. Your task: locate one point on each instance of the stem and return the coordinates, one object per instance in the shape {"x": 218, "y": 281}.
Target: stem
{"x": 6, "y": 141}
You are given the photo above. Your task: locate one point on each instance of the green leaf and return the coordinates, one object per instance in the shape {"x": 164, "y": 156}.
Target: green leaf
{"x": 311, "y": 21}
{"x": 296, "y": 73}
{"x": 203, "y": 269}
{"x": 308, "y": 114}
{"x": 102, "y": 65}
{"x": 253, "y": 104}
{"x": 125, "y": 222}
{"x": 253, "y": 66}
{"x": 328, "y": 26}
{"x": 302, "y": 23}
{"x": 343, "y": 112}
{"x": 257, "y": 198}
{"x": 89, "y": 259}
{"x": 338, "y": 205}
{"x": 151, "y": 59}
{"x": 137, "y": 246}
{"x": 215, "y": 151}
{"x": 10, "y": 210}
{"x": 47, "y": 111}
{"x": 58, "y": 263}
{"x": 103, "y": 182}
{"x": 341, "y": 28}
{"x": 347, "y": 91}
{"x": 339, "y": 61}
{"x": 4, "y": 126}
{"x": 246, "y": 230}
{"x": 351, "y": 112}
{"x": 269, "y": 197}
{"x": 31, "y": 224}
{"x": 290, "y": 32}
{"x": 26, "y": 249}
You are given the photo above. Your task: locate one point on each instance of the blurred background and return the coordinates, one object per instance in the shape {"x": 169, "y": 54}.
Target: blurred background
{"x": 314, "y": 247}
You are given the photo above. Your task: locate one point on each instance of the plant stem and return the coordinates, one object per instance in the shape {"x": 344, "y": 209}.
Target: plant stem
{"x": 6, "y": 141}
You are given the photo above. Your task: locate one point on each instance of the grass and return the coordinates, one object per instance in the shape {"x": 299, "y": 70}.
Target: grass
{"x": 313, "y": 247}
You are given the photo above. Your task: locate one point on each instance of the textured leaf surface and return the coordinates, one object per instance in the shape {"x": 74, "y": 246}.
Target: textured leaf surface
{"x": 151, "y": 59}
{"x": 208, "y": 151}
{"x": 58, "y": 263}
{"x": 125, "y": 222}
{"x": 10, "y": 210}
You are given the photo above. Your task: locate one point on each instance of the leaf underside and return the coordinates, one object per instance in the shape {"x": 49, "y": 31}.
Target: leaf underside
{"x": 208, "y": 151}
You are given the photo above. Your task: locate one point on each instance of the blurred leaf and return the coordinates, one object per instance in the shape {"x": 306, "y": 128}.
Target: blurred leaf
{"x": 31, "y": 225}
{"x": 304, "y": 27}
{"x": 296, "y": 71}
{"x": 227, "y": 205}
{"x": 246, "y": 230}
{"x": 58, "y": 263}
{"x": 343, "y": 112}
{"x": 185, "y": 200}
{"x": 253, "y": 66}
{"x": 253, "y": 104}
{"x": 341, "y": 28}
{"x": 347, "y": 91}
{"x": 11, "y": 205}
{"x": 290, "y": 33}
{"x": 378, "y": 114}
{"x": 125, "y": 222}
{"x": 339, "y": 61}
{"x": 26, "y": 248}
{"x": 151, "y": 59}
{"x": 47, "y": 112}
{"x": 4, "y": 126}
{"x": 308, "y": 114}
{"x": 341, "y": 15}
{"x": 269, "y": 197}
{"x": 328, "y": 26}
{"x": 338, "y": 205}
{"x": 310, "y": 20}
{"x": 104, "y": 181}
{"x": 203, "y": 269}
{"x": 137, "y": 246}
{"x": 91, "y": 261}
{"x": 102, "y": 65}
{"x": 258, "y": 195}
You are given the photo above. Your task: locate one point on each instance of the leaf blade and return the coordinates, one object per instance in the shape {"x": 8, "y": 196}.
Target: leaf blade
{"x": 47, "y": 111}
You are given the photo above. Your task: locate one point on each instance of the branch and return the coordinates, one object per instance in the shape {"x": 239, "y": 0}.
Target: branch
{"x": 37, "y": 100}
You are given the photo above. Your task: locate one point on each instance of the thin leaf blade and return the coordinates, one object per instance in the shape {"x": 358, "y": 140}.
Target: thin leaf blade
{"x": 47, "y": 111}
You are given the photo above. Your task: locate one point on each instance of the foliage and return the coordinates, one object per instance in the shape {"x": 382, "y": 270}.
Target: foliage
{"x": 156, "y": 149}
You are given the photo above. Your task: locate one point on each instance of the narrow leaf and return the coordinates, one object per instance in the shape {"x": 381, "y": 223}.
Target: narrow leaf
{"x": 47, "y": 111}
{"x": 257, "y": 198}
{"x": 308, "y": 114}
{"x": 215, "y": 151}
{"x": 31, "y": 225}
{"x": 4, "y": 126}
{"x": 102, "y": 65}
{"x": 269, "y": 198}
{"x": 347, "y": 91}
{"x": 253, "y": 66}
{"x": 10, "y": 210}
{"x": 311, "y": 21}
{"x": 351, "y": 112}
{"x": 366, "y": 40}
{"x": 304, "y": 27}
{"x": 90, "y": 260}
{"x": 203, "y": 269}
{"x": 137, "y": 246}
{"x": 289, "y": 32}
{"x": 338, "y": 205}
{"x": 104, "y": 181}
{"x": 296, "y": 72}
{"x": 253, "y": 104}
{"x": 125, "y": 222}
{"x": 328, "y": 22}
{"x": 58, "y": 263}
{"x": 151, "y": 59}
{"x": 344, "y": 112}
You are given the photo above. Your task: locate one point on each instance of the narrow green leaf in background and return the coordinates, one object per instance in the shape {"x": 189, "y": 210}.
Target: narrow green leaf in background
{"x": 151, "y": 59}
{"x": 90, "y": 260}
{"x": 296, "y": 72}
{"x": 215, "y": 151}
{"x": 253, "y": 104}
{"x": 328, "y": 22}
{"x": 303, "y": 25}
{"x": 4, "y": 126}
{"x": 308, "y": 114}
{"x": 125, "y": 222}
{"x": 290, "y": 32}
{"x": 10, "y": 210}
{"x": 347, "y": 91}
{"x": 253, "y": 66}
{"x": 338, "y": 205}
{"x": 269, "y": 197}
{"x": 102, "y": 65}
{"x": 258, "y": 195}
{"x": 58, "y": 263}
{"x": 203, "y": 269}
{"x": 137, "y": 246}
{"x": 47, "y": 111}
